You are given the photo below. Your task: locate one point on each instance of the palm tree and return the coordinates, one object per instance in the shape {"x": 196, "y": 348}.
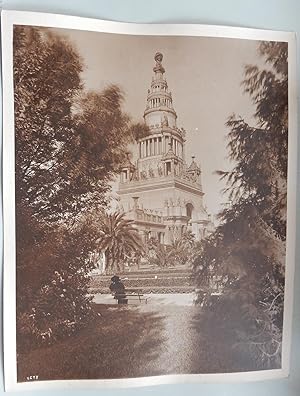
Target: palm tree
{"x": 160, "y": 255}
{"x": 119, "y": 240}
{"x": 184, "y": 249}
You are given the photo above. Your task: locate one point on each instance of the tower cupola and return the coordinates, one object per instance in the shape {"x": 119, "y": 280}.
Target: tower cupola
{"x": 128, "y": 169}
{"x": 194, "y": 167}
{"x": 194, "y": 171}
{"x": 159, "y": 108}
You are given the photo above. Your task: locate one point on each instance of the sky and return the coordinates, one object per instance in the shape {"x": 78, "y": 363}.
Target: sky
{"x": 203, "y": 74}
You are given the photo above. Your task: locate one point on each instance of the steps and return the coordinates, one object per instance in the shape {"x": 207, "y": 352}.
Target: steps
{"x": 175, "y": 280}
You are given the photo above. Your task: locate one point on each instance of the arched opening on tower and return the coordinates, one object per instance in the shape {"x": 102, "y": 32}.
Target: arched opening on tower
{"x": 189, "y": 211}
{"x": 168, "y": 168}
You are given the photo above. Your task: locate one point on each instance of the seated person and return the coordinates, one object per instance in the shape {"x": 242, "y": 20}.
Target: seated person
{"x": 118, "y": 289}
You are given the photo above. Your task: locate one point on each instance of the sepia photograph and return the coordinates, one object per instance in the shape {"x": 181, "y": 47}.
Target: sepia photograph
{"x": 151, "y": 187}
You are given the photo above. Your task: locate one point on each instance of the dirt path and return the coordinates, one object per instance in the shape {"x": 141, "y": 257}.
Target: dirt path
{"x": 178, "y": 352}
{"x": 179, "y": 341}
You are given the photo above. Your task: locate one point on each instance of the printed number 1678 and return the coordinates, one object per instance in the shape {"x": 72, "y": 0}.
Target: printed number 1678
{"x": 32, "y": 377}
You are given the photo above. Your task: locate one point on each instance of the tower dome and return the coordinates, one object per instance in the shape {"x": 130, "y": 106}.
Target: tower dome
{"x": 159, "y": 107}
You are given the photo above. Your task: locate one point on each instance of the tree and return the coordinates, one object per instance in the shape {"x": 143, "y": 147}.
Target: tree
{"x": 247, "y": 250}
{"x": 140, "y": 130}
{"x": 119, "y": 239}
{"x": 46, "y": 81}
{"x": 52, "y": 282}
{"x": 259, "y": 178}
{"x": 69, "y": 146}
{"x": 184, "y": 249}
{"x": 160, "y": 255}
{"x": 181, "y": 251}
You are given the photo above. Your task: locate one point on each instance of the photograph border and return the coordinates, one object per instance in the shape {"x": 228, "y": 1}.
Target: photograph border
{"x": 11, "y": 18}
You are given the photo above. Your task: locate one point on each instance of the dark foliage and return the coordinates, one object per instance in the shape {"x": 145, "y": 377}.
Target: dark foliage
{"x": 140, "y": 130}
{"x": 69, "y": 146}
{"x": 181, "y": 252}
{"x": 240, "y": 269}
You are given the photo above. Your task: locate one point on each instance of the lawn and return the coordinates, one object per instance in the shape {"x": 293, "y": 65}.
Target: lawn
{"x": 117, "y": 336}
{"x": 137, "y": 341}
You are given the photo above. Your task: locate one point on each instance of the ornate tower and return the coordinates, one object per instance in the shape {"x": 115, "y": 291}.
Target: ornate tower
{"x": 165, "y": 138}
{"x": 160, "y": 192}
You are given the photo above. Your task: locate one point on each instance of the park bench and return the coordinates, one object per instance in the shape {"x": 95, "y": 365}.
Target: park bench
{"x": 131, "y": 295}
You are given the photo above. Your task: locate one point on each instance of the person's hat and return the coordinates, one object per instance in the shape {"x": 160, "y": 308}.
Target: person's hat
{"x": 115, "y": 278}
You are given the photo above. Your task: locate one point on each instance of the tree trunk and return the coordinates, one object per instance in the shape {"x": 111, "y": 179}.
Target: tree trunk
{"x": 107, "y": 262}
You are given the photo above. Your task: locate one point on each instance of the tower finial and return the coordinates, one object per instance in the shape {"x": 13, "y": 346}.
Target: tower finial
{"x": 158, "y": 57}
